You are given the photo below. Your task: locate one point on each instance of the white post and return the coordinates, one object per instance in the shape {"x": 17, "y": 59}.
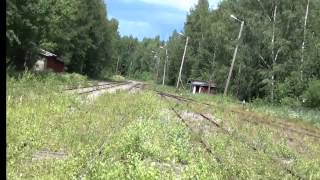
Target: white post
{"x": 164, "y": 70}
{"x": 182, "y": 61}
{"x": 194, "y": 89}
{"x": 233, "y": 60}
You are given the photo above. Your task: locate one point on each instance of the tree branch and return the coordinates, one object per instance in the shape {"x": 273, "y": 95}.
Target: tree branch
{"x": 264, "y": 11}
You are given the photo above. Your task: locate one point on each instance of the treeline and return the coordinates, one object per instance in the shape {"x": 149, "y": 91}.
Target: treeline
{"x": 272, "y": 63}
{"x": 278, "y": 56}
{"x": 77, "y": 30}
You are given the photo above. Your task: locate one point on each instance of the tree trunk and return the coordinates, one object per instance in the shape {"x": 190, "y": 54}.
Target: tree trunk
{"x": 304, "y": 39}
{"x": 117, "y": 65}
{"x": 239, "y": 73}
{"x": 212, "y": 65}
{"x": 272, "y": 53}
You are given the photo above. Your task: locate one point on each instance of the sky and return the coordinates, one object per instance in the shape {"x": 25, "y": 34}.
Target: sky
{"x": 149, "y": 18}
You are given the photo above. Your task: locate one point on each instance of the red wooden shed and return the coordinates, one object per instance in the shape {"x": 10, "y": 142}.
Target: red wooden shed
{"x": 48, "y": 61}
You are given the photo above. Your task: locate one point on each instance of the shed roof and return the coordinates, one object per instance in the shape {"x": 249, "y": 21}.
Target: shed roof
{"x": 49, "y": 54}
{"x": 201, "y": 83}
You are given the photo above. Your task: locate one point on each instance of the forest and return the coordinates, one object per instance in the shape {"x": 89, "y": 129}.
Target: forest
{"x": 278, "y": 59}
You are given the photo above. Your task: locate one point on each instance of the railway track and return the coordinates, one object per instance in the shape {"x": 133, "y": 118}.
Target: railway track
{"x": 95, "y": 89}
{"x": 201, "y": 141}
{"x": 253, "y": 118}
{"x": 103, "y": 87}
{"x": 89, "y": 84}
{"x": 224, "y": 130}
{"x": 97, "y": 86}
{"x": 137, "y": 86}
{"x": 204, "y": 144}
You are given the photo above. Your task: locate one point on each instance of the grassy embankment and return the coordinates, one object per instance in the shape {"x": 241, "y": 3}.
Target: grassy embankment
{"x": 136, "y": 136}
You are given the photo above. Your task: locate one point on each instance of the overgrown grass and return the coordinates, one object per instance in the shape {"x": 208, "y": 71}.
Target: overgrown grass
{"x": 137, "y": 136}
{"x": 299, "y": 113}
{"x": 130, "y": 131}
{"x": 311, "y": 116}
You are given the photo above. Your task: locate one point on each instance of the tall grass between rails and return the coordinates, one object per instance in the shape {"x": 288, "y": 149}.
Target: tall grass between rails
{"x": 131, "y": 136}
{"x": 120, "y": 136}
{"x": 308, "y": 115}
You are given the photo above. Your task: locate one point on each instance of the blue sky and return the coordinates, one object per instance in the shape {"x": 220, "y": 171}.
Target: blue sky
{"x": 148, "y": 18}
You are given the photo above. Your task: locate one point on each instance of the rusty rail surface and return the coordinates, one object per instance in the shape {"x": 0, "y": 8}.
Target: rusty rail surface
{"x": 251, "y": 146}
{"x": 204, "y": 144}
{"x": 90, "y": 86}
{"x": 255, "y": 119}
{"x": 103, "y": 88}
{"x": 225, "y": 131}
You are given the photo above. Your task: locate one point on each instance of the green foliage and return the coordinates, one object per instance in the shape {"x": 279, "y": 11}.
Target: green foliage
{"x": 81, "y": 33}
{"x": 118, "y": 78}
{"x": 78, "y": 31}
{"x": 292, "y": 87}
{"x": 289, "y": 101}
{"x": 312, "y": 94}
{"x": 212, "y": 41}
{"x": 144, "y": 76}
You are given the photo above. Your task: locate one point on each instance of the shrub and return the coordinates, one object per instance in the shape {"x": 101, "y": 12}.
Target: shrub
{"x": 259, "y": 102}
{"x": 312, "y": 94}
{"x": 289, "y": 101}
{"x": 292, "y": 87}
{"x": 118, "y": 78}
{"x": 144, "y": 76}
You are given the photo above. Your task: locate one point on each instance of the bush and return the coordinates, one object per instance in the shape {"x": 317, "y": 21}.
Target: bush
{"x": 259, "y": 102}
{"x": 118, "y": 78}
{"x": 292, "y": 87}
{"x": 47, "y": 78}
{"x": 312, "y": 95}
{"x": 144, "y": 76}
{"x": 289, "y": 101}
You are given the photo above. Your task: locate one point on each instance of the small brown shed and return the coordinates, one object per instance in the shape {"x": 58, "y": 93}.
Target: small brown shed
{"x": 199, "y": 86}
{"x": 48, "y": 61}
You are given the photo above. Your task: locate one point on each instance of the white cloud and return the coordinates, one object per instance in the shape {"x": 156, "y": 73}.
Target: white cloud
{"x": 140, "y": 24}
{"x": 183, "y": 5}
{"x": 135, "y": 28}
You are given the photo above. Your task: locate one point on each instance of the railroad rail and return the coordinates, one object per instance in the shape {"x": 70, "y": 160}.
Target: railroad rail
{"x": 205, "y": 145}
{"x": 225, "y": 131}
{"x": 90, "y": 86}
{"x": 96, "y": 88}
{"x": 104, "y": 87}
{"x": 254, "y": 118}
{"x": 79, "y": 87}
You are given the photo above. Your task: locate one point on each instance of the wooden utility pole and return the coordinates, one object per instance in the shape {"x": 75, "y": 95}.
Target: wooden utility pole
{"x": 164, "y": 69}
{"x": 304, "y": 39}
{"x": 233, "y": 60}
{"x": 182, "y": 61}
